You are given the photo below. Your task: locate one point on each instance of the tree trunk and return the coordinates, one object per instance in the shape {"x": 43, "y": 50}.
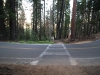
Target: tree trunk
{"x": 53, "y": 19}
{"x": 44, "y": 20}
{"x": 33, "y": 16}
{"x": 57, "y": 27}
{"x": 62, "y": 18}
{"x": 99, "y": 22}
{"x": 40, "y": 23}
{"x": 2, "y": 24}
{"x": 17, "y": 34}
{"x": 36, "y": 19}
{"x": 12, "y": 21}
{"x": 59, "y": 21}
{"x": 73, "y": 20}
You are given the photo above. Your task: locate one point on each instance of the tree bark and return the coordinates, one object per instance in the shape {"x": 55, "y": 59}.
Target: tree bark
{"x": 73, "y": 20}
{"x": 2, "y": 24}
{"x": 62, "y": 19}
{"x": 44, "y": 20}
{"x": 53, "y": 19}
{"x": 12, "y": 21}
{"x": 40, "y": 23}
{"x": 59, "y": 21}
{"x": 36, "y": 18}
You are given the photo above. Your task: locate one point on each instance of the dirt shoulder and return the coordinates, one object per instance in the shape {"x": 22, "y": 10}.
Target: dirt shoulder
{"x": 48, "y": 70}
{"x": 92, "y": 38}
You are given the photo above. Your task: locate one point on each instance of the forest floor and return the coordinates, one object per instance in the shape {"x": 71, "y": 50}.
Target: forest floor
{"x": 15, "y": 69}
{"x": 93, "y": 37}
{"x": 48, "y": 70}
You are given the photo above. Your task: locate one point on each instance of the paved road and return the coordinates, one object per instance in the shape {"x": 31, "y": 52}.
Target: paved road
{"x": 51, "y": 54}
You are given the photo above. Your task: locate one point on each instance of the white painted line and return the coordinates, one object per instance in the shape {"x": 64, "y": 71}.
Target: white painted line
{"x": 16, "y": 58}
{"x": 87, "y": 58}
{"x": 34, "y": 62}
{"x": 18, "y": 48}
{"x": 66, "y": 50}
{"x": 55, "y": 44}
{"x": 39, "y": 58}
{"x": 44, "y": 51}
{"x": 72, "y": 61}
{"x": 55, "y": 48}
{"x": 55, "y": 53}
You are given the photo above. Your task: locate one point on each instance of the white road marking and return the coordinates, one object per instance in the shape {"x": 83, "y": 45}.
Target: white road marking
{"x": 18, "y": 48}
{"x": 72, "y": 61}
{"x": 84, "y": 48}
{"x": 39, "y": 58}
{"x": 34, "y": 62}
{"x": 55, "y": 48}
{"x": 55, "y": 53}
{"x": 44, "y": 51}
{"x": 87, "y": 58}
{"x": 16, "y": 58}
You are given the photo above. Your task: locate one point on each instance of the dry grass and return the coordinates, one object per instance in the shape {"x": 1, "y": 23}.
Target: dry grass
{"x": 87, "y": 39}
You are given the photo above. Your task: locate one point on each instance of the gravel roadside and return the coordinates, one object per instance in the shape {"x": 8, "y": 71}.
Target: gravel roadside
{"x": 48, "y": 70}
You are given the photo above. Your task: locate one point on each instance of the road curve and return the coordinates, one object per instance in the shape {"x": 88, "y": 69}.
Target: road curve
{"x": 51, "y": 54}
{"x": 86, "y": 53}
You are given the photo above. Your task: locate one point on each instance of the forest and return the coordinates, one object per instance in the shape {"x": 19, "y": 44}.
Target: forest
{"x": 57, "y": 23}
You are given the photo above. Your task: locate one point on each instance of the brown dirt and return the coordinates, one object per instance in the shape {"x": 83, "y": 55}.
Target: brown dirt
{"x": 92, "y": 37}
{"x": 48, "y": 70}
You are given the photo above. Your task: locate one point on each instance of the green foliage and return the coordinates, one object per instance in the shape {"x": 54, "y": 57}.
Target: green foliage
{"x": 21, "y": 36}
{"x": 34, "y": 36}
{"x": 87, "y": 21}
{"x": 34, "y": 42}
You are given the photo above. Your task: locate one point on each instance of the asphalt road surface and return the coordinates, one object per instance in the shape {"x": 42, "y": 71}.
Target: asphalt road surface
{"x": 50, "y": 54}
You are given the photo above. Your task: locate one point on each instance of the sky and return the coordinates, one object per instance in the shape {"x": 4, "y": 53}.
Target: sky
{"x": 28, "y": 8}
{"x": 71, "y": 6}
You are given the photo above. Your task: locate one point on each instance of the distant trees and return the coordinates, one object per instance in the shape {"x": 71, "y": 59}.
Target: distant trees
{"x": 58, "y": 10}
{"x": 87, "y": 18}
{"x": 9, "y": 23}
{"x": 61, "y": 10}
{"x": 54, "y": 22}
{"x": 12, "y": 18}
{"x": 2, "y": 21}
{"x": 37, "y": 24}
{"x": 12, "y": 23}
{"x": 73, "y": 20}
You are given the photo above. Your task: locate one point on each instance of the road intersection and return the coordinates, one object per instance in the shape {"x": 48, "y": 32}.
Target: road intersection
{"x": 50, "y": 54}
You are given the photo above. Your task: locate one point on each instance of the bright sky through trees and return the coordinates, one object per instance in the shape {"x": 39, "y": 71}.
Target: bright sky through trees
{"x": 71, "y": 5}
{"x": 28, "y": 8}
